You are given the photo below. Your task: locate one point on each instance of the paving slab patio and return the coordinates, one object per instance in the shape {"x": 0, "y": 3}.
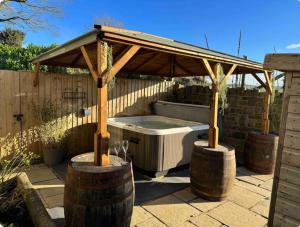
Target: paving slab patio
{"x": 247, "y": 206}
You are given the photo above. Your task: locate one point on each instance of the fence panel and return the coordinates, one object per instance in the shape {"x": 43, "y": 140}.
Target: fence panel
{"x": 69, "y": 94}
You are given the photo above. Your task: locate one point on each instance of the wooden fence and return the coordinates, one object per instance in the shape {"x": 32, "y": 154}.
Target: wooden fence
{"x": 69, "y": 94}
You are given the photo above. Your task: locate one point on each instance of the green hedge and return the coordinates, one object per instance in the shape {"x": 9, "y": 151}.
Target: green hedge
{"x": 18, "y": 58}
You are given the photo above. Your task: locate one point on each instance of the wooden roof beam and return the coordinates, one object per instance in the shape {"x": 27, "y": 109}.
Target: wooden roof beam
{"x": 89, "y": 63}
{"x": 259, "y": 80}
{"x": 268, "y": 76}
{"x": 120, "y": 62}
{"x": 229, "y": 73}
{"x": 151, "y": 57}
{"x": 183, "y": 68}
{"x": 76, "y": 59}
{"x": 209, "y": 70}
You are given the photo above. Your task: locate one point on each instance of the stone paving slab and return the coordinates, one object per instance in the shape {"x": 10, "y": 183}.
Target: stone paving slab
{"x": 39, "y": 174}
{"x": 171, "y": 210}
{"x": 253, "y": 188}
{"x": 54, "y": 201}
{"x": 262, "y": 207}
{"x": 185, "y": 195}
{"x": 152, "y": 222}
{"x": 244, "y": 197}
{"x": 247, "y": 206}
{"x": 249, "y": 179}
{"x": 205, "y": 220}
{"x": 50, "y": 188}
{"x": 234, "y": 215}
{"x": 139, "y": 215}
{"x": 267, "y": 185}
{"x": 204, "y": 205}
{"x": 263, "y": 177}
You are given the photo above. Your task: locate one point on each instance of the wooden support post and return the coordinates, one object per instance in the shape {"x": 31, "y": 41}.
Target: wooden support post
{"x": 89, "y": 63}
{"x": 213, "y": 133}
{"x": 267, "y": 97}
{"x": 37, "y": 67}
{"x": 101, "y": 149}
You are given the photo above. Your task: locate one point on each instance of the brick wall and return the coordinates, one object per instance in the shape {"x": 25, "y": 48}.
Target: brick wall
{"x": 242, "y": 115}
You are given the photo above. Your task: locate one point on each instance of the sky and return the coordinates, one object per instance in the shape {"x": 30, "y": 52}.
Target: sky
{"x": 266, "y": 25}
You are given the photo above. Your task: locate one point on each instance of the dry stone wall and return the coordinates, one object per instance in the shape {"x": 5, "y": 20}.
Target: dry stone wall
{"x": 242, "y": 115}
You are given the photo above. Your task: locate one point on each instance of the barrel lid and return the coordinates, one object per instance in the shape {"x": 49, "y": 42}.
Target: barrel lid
{"x": 220, "y": 148}
{"x": 86, "y": 162}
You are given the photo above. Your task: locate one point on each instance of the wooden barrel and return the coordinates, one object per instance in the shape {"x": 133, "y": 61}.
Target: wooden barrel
{"x": 212, "y": 171}
{"x": 96, "y": 195}
{"x": 260, "y": 152}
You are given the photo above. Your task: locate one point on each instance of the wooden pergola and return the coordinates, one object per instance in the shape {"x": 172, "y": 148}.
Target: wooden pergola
{"x": 140, "y": 53}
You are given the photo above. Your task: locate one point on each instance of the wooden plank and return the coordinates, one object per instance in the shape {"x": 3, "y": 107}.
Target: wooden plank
{"x": 120, "y": 63}
{"x": 259, "y": 80}
{"x": 211, "y": 73}
{"x": 292, "y": 139}
{"x": 229, "y": 73}
{"x": 291, "y": 157}
{"x": 213, "y": 132}
{"x": 293, "y": 121}
{"x": 265, "y": 118}
{"x": 289, "y": 192}
{"x": 290, "y": 174}
{"x": 101, "y": 146}
{"x": 268, "y": 77}
{"x": 294, "y": 106}
{"x": 288, "y": 208}
{"x": 36, "y": 73}
{"x": 181, "y": 52}
{"x": 89, "y": 63}
{"x": 284, "y": 221}
{"x": 283, "y": 62}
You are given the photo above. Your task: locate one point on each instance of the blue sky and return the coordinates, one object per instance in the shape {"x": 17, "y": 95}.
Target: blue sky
{"x": 265, "y": 24}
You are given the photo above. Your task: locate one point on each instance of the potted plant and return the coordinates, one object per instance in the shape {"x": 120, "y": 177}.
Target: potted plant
{"x": 52, "y": 132}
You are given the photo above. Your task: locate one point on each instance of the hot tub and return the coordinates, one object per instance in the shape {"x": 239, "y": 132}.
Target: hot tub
{"x": 157, "y": 143}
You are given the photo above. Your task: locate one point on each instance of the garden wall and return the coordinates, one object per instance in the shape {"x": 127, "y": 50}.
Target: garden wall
{"x": 242, "y": 115}
{"x": 69, "y": 94}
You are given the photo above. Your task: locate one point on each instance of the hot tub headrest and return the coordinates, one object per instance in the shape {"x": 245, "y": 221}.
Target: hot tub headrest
{"x": 182, "y": 111}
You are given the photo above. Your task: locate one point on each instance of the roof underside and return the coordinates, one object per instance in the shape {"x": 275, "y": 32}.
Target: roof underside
{"x": 158, "y": 56}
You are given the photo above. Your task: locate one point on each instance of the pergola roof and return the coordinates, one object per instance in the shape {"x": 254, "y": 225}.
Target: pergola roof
{"x": 157, "y": 55}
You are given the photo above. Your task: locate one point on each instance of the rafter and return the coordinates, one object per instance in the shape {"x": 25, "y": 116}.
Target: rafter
{"x": 76, "y": 59}
{"x": 152, "y": 56}
{"x": 183, "y": 68}
{"x": 120, "y": 62}
{"x": 172, "y": 65}
{"x": 229, "y": 73}
{"x": 89, "y": 63}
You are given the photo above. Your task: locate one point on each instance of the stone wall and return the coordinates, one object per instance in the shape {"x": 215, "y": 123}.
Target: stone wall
{"x": 242, "y": 115}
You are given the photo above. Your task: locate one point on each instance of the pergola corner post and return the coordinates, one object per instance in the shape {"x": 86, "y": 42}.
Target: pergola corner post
{"x": 266, "y": 106}
{"x": 213, "y": 132}
{"x": 101, "y": 137}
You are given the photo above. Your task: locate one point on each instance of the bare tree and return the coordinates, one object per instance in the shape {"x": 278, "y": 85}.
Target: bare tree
{"x": 109, "y": 21}
{"x": 27, "y": 13}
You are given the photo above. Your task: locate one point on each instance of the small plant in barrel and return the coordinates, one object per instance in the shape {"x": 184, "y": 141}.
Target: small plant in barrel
{"x": 52, "y": 132}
